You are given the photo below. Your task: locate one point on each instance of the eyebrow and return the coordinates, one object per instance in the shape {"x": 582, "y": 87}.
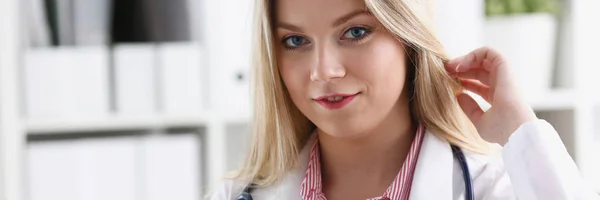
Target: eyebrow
{"x": 346, "y": 17}
{"x": 289, "y": 27}
{"x": 337, "y": 22}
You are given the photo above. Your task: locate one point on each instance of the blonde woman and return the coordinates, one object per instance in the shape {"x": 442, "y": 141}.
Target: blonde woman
{"x": 355, "y": 99}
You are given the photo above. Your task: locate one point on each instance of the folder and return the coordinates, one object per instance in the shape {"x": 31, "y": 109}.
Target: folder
{"x": 135, "y": 79}
{"x": 66, "y": 83}
{"x": 91, "y": 169}
{"x": 52, "y": 171}
{"x": 180, "y": 79}
{"x": 108, "y": 169}
{"x": 172, "y": 167}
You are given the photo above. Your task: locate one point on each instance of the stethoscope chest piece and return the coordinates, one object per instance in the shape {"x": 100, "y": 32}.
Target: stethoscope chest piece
{"x": 244, "y": 196}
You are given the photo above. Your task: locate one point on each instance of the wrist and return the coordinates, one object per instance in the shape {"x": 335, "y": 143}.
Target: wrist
{"x": 519, "y": 120}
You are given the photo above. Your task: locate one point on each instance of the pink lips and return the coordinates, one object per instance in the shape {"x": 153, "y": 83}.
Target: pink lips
{"x": 336, "y": 104}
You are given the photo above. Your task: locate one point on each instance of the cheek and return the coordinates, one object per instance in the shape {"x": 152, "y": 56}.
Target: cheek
{"x": 382, "y": 66}
{"x": 294, "y": 73}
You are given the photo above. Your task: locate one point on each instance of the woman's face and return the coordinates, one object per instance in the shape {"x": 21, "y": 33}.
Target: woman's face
{"x": 342, "y": 69}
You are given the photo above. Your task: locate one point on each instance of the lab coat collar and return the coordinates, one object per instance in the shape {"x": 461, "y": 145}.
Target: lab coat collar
{"x": 432, "y": 177}
{"x": 434, "y": 170}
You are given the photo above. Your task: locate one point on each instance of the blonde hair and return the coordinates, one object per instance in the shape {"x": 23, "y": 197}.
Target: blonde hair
{"x": 280, "y": 130}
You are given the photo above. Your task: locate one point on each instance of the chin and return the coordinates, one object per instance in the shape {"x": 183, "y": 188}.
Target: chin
{"x": 343, "y": 130}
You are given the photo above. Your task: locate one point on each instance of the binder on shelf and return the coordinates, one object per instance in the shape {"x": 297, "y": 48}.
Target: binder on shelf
{"x": 66, "y": 83}
{"x": 52, "y": 171}
{"x": 135, "y": 79}
{"x": 37, "y": 25}
{"x": 180, "y": 79}
{"x": 108, "y": 168}
{"x": 91, "y": 169}
{"x": 169, "y": 20}
{"x": 91, "y": 21}
{"x": 129, "y": 23}
{"x": 64, "y": 21}
{"x": 171, "y": 167}
{"x": 195, "y": 16}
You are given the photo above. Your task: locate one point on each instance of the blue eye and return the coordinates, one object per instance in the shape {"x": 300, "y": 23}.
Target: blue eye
{"x": 294, "y": 41}
{"x": 355, "y": 33}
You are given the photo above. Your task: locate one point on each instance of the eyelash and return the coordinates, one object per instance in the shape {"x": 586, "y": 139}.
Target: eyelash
{"x": 288, "y": 48}
{"x": 367, "y": 34}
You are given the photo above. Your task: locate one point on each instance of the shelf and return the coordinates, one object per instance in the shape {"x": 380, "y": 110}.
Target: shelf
{"x": 559, "y": 99}
{"x": 114, "y": 123}
{"x": 117, "y": 123}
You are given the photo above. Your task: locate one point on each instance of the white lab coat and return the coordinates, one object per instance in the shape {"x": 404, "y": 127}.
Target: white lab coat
{"x": 534, "y": 165}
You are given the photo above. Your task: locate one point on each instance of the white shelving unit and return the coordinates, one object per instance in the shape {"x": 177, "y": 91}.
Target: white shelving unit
{"x": 12, "y": 137}
{"x": 112, "y": 124}
{"x": 225, "y": 95}
{"x": 573, "y": 111}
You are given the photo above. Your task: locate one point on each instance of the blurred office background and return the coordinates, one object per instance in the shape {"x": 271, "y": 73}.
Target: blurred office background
{"x": 149, "y": 99}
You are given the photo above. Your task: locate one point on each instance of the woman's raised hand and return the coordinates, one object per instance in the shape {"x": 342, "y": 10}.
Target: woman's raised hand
{"x": 486, "y": 73}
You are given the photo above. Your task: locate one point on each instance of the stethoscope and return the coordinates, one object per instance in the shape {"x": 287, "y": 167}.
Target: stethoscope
{"x": 456, "y": 151}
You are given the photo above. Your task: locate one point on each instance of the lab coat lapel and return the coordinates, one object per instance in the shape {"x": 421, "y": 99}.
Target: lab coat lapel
{"x": 290, "y": 187}
{"x": 433, "y": 173}
{"x": 432, "y": 177}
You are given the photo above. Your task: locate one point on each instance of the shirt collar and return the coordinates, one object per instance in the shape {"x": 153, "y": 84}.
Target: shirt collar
{"x": 311, "y": 187}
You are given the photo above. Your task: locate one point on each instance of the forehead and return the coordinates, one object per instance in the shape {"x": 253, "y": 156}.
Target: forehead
{"x": 303, "y": 11}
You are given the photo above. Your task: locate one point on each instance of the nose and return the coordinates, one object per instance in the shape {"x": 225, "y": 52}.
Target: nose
{"x": 328, "y": 65}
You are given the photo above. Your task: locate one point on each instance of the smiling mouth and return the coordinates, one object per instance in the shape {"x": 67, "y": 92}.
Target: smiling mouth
{"x": 336, "y": 101}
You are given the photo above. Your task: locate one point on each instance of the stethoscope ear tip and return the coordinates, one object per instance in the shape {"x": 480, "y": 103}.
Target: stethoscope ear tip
{"x": 244, "y": 196}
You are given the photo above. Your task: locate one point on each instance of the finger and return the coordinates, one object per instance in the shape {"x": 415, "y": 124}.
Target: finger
{"x": 492, "y": 75}
{"x": 474, "y": 60}
{"x": 453, "y": 64}
{"x": 470, "y": 107}
{"x": 478, "y": 88}
{"x": 478, "y": 74}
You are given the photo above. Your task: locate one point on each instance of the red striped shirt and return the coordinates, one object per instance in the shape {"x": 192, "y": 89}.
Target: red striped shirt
{"x": 312, "y": 188}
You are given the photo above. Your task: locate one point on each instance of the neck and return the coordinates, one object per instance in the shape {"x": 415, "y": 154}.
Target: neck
{"x": 371, "y": 161}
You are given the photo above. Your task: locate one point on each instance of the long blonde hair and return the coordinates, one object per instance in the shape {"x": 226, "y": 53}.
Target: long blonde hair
{"x": 280, "y": 130}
